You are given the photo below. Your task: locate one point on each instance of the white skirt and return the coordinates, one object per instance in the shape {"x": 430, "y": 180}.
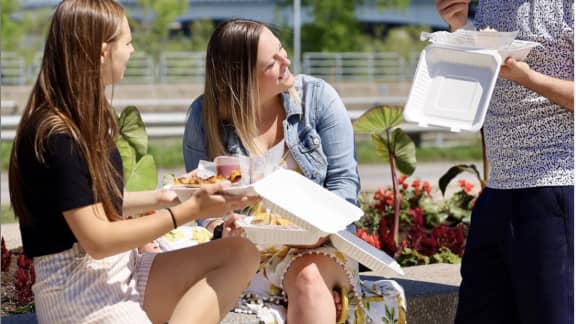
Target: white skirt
{"x": 72, "y": 287}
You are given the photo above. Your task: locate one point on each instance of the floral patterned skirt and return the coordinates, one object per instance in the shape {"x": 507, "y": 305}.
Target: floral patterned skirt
{"x": 381, "y": 301}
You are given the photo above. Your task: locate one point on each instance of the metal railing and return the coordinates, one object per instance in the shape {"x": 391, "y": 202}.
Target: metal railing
{"x": 174, "y": 67}
{"x": 355, "y": 66}
{"x": 160, "y": 125}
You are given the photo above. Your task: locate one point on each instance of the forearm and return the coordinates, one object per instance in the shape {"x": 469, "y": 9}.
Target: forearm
{"x": 142, "y": 201}
{"x": 560, "y": 92}
{"x": 102, "y": 238}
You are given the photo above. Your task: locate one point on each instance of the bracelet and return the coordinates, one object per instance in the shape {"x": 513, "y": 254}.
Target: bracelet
{"x": 172, "y": 216}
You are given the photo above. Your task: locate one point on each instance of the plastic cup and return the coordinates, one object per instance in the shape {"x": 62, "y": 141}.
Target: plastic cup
{"x": 225, "y": 165}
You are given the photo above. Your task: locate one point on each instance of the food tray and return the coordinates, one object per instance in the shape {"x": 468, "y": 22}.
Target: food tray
{"x": 274, "y": 234}
{"x": 518, "y": 50}
{"x": 373, "y": 258}
{"x": 305, "y": 203}
{"x": 185, "y": 192}
{"x": 503, "y": 42}
{"x": 471, "y": 38}
{"x": 184, "y": 236}
{"x": 452, "y": 87}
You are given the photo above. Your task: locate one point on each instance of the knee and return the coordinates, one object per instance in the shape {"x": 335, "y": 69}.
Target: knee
{"x": 305, "y": 281}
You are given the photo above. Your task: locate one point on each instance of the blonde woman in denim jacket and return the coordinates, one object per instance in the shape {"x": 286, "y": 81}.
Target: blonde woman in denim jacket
{"x": 254, "y": 106}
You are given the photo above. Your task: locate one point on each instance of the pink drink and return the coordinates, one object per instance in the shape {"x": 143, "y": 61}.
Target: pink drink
{"x": 226, "y": 164}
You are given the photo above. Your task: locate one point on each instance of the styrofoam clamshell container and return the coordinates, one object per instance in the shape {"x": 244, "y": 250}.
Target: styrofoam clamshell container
{"x": 305, "y": 203}
{"x": 319, "y": 213}
{"x": 452, "y": 87}
{"x": 273, "y": 234}
{"x": 518, "y": 50}
{"x": 185, "y": 192}
{"x": 354, "y": 247}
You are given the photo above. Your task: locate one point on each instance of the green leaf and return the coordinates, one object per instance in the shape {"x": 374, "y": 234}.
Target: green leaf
{"x": 378, "y": 119}
{"x": 454, "y": 171}
{"x": 144, "y": 175}
{"x": 381, "y": 145}
{"x": 132, "y": 130}
{"x": 400, "y": 146}
{"x": 128, "y": 155}
{"x": 404, "y": 152}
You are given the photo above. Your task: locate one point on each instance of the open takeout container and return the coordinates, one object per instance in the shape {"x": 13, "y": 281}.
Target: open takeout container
{"x": 503, "y": 42}
{"x": 184, "y": 192}
{"x": 452, "y": 87}
{"x": 317, "y": 212}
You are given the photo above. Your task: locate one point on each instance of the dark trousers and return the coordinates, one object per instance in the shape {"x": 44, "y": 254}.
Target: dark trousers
{"x": 518, "y": 265}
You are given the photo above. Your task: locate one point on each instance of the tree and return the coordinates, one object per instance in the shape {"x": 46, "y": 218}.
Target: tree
{"x": 10, "y": 28}
{"x": 152, "y": 32}
{"x": 335, "y": 27}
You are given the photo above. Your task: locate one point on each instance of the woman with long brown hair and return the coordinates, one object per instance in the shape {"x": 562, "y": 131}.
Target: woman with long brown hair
{"x": 66, "y": 189}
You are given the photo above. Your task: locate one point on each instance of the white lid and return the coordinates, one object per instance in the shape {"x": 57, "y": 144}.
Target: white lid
{"x": 305, "y": 203}
{"x": 373, "y": 258}
{"x": 452, "y": 87}
{"x": 273, "y": 234}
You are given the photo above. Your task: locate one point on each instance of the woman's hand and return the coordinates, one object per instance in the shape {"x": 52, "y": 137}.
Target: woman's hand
{"x": 454, "y": 12}
{"x": 229, "y": 226}
{"x": 209, "y": 201}
{"x": 515, "y": 71}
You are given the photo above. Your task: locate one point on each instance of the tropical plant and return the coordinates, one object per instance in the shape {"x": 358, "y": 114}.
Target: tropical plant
{"x": 391, "y": 143}
{"x": 454, "y": 171}
{"x": 140, "y": 171}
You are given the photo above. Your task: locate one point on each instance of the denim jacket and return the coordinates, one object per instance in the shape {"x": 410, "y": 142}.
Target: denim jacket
{"x": 318, "y": 133}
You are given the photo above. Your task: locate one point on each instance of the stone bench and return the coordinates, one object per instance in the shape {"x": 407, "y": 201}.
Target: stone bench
{"x": 431, "y": 293}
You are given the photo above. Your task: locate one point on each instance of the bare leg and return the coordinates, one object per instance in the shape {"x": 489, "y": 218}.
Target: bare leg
{"x": 309, "y": 283}
{"x": 199, "y": 284}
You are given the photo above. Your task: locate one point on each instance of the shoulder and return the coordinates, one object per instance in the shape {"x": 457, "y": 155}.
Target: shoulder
{"x": 306, "y": 81}
{"x": 196, "y": 106}
{"x": 195, "y": 111}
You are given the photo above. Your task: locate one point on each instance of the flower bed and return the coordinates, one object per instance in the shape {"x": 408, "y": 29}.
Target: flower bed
{"x": 431, "y": 230}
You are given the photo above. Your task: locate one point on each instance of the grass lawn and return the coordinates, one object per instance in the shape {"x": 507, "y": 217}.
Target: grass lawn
{"x": 168, "y": 152}
{"x": 7, "y": 215}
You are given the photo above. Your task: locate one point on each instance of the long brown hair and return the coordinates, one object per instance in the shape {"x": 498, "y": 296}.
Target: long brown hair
{"x": 68, "y": 97}
{"x": 231, "y": 85}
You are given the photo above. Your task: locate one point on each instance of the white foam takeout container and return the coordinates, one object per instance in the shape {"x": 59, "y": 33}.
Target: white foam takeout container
{"x": 184, "y": 192}
{"x": 503, "y": 42}
{"x": 264, "y": 234}
{"x": 452, "y": 87}
{"x": 318, "y": 213}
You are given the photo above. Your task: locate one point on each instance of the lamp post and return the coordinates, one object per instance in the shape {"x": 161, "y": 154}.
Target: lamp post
{"x": 297, "y": 24}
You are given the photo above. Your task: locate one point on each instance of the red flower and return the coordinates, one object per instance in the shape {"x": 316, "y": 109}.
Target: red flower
{"x": 466, "y": 186}
{"x": 427, "y": 187}
{"x": 402, "y": 179}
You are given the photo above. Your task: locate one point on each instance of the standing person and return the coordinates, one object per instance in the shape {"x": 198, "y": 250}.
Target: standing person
{"x": 253, "y": 106}
{"x": 66, "y": 189}
{"x": 518, "y": 262}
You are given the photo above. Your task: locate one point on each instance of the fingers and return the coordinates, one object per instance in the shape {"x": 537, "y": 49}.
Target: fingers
{"x": 454, "y": 12}
{"x": 214, "y": 187}
{"x": 443, "y": 4}
{"x": 230, "y": 228}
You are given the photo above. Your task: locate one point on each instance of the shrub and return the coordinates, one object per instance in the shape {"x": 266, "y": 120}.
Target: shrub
{"x": 431, "y": 230}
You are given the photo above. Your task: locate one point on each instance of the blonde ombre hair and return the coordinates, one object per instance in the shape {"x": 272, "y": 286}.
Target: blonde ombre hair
{"x": 231, "y": 86}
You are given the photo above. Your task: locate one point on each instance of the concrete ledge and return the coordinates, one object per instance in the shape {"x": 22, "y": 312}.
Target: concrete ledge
{"x": 431, "y": 293}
